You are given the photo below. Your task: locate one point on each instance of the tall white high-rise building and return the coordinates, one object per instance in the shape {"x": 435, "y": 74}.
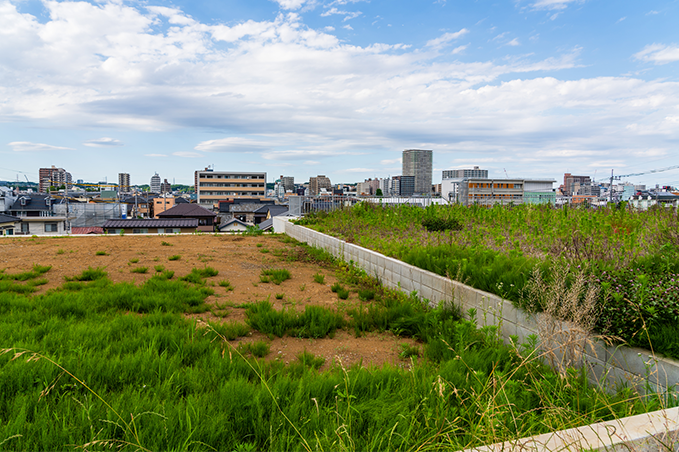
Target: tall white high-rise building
{"x": 155, "y": 183}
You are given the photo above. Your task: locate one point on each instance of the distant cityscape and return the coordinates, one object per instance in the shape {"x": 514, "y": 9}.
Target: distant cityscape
{"x": 228, "y": 201}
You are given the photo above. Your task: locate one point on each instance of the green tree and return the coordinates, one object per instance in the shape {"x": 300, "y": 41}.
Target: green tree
{"x": 378, "y": 192}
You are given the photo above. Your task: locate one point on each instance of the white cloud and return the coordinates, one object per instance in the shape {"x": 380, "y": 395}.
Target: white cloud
{"x": 290, "y": 4}
{"x": 554, "y": 4}
{"x": 289, "y": 93}
{"x": 190, "y": 155}
{"x": 514, "y": 42}
{"x": 27, "y": 146}
{"x": 391, "y": 162}
{"x": 446, "y": 39}
{"x": 103, "y": 142}
{"x": 652, "y": 12}
{"x": 232, "y": 144}
{"x": 621, "y": 19}
{"x": 347, "y": 14}
{"x": 347, "y": 27}
{"x": 459, "y": 49}
{"x": 658, "y": 53}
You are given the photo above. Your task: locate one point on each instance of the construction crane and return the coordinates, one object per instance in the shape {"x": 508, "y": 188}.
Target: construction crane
{"x": 612, "y": 178}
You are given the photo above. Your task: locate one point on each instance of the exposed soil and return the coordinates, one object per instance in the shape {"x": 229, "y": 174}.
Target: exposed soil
{"x": 239, "y": 260}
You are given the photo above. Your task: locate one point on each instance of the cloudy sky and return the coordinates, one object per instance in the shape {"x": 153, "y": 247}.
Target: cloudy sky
{"x": 526, "y": 88}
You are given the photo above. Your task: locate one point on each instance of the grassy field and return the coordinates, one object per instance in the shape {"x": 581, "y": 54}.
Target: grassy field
{"x": 96, "y": 364}
{"x": 630, "y": 258}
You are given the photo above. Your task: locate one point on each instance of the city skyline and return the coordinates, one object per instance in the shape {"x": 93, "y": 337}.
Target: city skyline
{"x": 532, "y": 88}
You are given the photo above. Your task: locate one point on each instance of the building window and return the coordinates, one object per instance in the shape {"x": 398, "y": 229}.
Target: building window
{"x": 140, "y": 231}
{"x": 51, "y": 227}
{"x": 24, "y": 228}
{"x": 161, "y": 231}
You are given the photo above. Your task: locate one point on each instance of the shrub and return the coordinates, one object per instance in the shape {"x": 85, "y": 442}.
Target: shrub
{"x": 134, "y": 260}
{"x": 159, "y": 268}
{"x": 175, "y": 257}
{"x": 140, "y": 270}
{"x": 336, "y": 287}
{"x": 91, "y": 274}
{"x": 343, "y": 293}
{"x": 164, "y": 243}
{"x": 275, "y": 275}
{"x": 101, "y": 253}
{"x": 319, "y": 278}
{"x": 279, "y": 296}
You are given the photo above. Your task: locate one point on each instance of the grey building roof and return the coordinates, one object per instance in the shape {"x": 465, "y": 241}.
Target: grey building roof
{"x": 25, "y": 203}
{"x": 9, "y": 218}
{"x": 274, "y": 209}
{"x": 152, "y": 223}
{"x": 187, "y": 210}
{"x": 266, "y": 224}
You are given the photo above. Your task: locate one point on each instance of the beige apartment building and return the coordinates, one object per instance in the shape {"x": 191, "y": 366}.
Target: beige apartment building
{"x": 214, "y": 186}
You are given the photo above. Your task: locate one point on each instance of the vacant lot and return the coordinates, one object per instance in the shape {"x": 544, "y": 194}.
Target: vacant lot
{"x": 239, "y": 260}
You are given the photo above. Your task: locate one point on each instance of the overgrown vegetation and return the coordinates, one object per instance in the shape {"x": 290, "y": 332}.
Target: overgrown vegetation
{"x": 633, "y": 256}
{"x": 98, "y": 365}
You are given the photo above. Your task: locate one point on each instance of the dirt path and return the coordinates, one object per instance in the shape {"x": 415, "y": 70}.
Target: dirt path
{"x": 239, "y": 260}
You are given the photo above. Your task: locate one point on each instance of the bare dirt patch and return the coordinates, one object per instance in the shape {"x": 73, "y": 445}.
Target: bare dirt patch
{"x": 239, "y": 260}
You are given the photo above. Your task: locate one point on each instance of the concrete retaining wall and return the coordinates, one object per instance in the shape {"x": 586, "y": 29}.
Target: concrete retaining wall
{"x": 608, "y": 365}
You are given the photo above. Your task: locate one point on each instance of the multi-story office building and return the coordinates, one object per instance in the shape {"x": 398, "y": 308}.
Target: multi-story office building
{"x": 288, "y": 183}
{"x": 165, "y": 187}
{"x": 123, "y": 182}
{"x": 475, "y": 172}
{"x": 214, "y": 186}
{"x": 418, "y": 163}
{"x": 404, "y": 185}
{"x": 317, "y": 183}
{"x": 576, "y": 185}
{"x": 155, "y": 184}
{"x": 53, "y": 176}
{"x": 488, "y": 192}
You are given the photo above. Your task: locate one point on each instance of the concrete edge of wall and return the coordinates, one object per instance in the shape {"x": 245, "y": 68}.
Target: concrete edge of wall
{"x": 608, "y": 365}
{"x": 654, "y": 431}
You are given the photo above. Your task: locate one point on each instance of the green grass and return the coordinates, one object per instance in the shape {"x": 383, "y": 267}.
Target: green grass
{"x": 274, "y": 275}
{"x": 164, "y": 243}
{"x": 140, "y": 270}
{"x": 308, "y": 359}
{"x": 198, "y": 275}
{"x": 98, "y": 365}
{"x": 134, "y": 260}
{"x": 258, "y": 349}
{"x": 280, "y": 296}
{"x": 91, "y": 274}
{"x": 37, "y": 270}
{"x": 319, "y": 278}
{"x": 314, "y": 322}
{"x": 343, "y": 294}
{"x": 226, "y": 284}
{"x": 174, "y": 257}
{"x": 101, "y": 253}
{"x": 159, "y": 268}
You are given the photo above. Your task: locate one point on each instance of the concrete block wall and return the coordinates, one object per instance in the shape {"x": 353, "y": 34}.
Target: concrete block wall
{"x": 607, "y": 365}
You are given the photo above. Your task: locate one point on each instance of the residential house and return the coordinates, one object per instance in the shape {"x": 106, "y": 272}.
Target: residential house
{"x": 206, "y": 218}
{"x": 151, "y": 226}
{"x": 8, "y": 224}
{"x": 37, "y": 216}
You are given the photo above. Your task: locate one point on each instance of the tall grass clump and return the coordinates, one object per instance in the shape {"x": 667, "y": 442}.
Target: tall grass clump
{"x": 313, "y": 322}
{"x": 274, "y": 275}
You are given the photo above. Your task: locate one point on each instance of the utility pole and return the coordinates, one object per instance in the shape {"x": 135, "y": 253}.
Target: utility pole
{"x": 610, "y": 188}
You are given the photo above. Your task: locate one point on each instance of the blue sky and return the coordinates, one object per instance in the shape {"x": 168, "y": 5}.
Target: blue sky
{"x": 527, "y": 88}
